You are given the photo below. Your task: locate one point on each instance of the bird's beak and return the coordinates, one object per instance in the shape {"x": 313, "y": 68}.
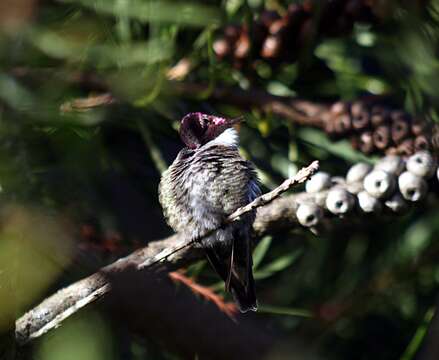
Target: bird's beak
{"x": 237, "y": 120}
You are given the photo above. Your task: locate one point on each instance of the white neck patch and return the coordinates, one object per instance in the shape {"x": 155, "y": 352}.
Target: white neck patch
{"x": 228, "y": 137}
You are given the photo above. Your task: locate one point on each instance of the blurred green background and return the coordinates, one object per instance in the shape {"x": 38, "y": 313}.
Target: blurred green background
{"x": 79, "y": 186}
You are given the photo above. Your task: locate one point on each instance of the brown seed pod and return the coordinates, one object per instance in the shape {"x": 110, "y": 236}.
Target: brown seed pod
{"x": 357, "y": 108}
{"x": 380, "y": 115}
{"x": 398, "y": 115}
{"x": 268, "y": 17}
{"x": 222, "y": 47}
{"x": 329, "y": 127}
{"x": 419, "y": 126}
{"x": 406, "y": 148}
{"x": 278, "y": 26}
{"x": 435, "y": 138}
{"x": 226, "y": 44}
{"x": 355, "y": 142}
{"x": 339, "y": 107}
{"x": 381, "y": 137}
{"x": 392, "y": 151}
{"x": 272, "y": 47}
{"x": 361, "y": 121}
{"x": 304, "y": 20}
{"x": 366, "y": 142}
{"x": 232, "y": 32}
{"x": 242, "y": 46}
{"x": 400, "y": 129}
{"x": 342, "y": 124}
{"x": 422, "y": 143}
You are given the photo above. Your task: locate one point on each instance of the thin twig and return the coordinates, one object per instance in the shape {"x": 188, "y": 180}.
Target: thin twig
{"x": 88, "y": 103}
{"x": 301, "y": 176}
{"x": 229, "y": 308}
{"x": 154, "y": 151}
{"x": 297, "y": 110}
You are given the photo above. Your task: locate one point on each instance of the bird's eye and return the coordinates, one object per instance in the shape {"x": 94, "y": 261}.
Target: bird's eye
{"x": 204, "y": 122}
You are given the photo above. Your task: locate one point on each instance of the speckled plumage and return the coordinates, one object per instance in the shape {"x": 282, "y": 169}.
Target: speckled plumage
{"x": 198, "y": 191}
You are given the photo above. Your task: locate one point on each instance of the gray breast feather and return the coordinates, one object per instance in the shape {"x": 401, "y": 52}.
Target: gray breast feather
{"x": 202, "y": 187}
{"x": 254, "y": 190}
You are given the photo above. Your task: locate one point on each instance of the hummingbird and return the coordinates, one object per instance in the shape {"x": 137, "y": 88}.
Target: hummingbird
{"x": 208, "y": 181}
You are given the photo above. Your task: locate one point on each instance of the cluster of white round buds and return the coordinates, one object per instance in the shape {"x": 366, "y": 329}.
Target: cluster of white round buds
{"x": 309, "y": 214}
{"x": 421, "y": 164}
{"x": 391, "y": 164}
{"x": 379, "y": 183}
{"x": 339, "y": 201}
{"x": 412, "y": 187}
{"x": 318, "y": 182}
{"x": 368, "y": 203}
{"x": 358, "y": 172}
{"x": 391, "y": 183}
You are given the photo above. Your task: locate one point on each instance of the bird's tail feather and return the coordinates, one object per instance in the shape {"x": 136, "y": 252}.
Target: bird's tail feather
{"x": 234, "y": 265}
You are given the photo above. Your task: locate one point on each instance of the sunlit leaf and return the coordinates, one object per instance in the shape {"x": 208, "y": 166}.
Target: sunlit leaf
{"x": 34, "y": 249}
{"x": 282, "y": 310}
{"x": 85, "y": 338}
{"x": 104, "y": 55}
{"x": 15, "y": 94}
{"x": 341, "y": 149}
{"x": 277, "y": 265}
{"x": 185, "y": 13}
{"x": 418, "y": 337}
{"x": 261, "y": 250}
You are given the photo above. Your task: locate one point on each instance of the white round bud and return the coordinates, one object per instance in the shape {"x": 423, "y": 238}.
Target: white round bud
{"x": 337, "y": 180}
{"x": 412, "y": 187}
{"x": 318, "y": 182}
{"x": 379, "y": 183}
{"x": 421, "y": 164}
{"x": 355, "y": 188}
{"x": 320, "y": 198}
{"x": 396, "y": 203}
{"x": 339, "y": 201}
{"x": 392, "y": 164}
{"x": 358, "y": 172}
{"x": 368, "y": 203}
{"x": 309, "y": 214}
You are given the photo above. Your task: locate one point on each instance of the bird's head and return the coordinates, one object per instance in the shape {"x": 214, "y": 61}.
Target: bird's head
{"x": 197, "y": 129}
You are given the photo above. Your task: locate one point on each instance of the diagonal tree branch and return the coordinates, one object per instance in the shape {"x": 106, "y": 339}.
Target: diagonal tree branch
{"x": 168, "y": 254}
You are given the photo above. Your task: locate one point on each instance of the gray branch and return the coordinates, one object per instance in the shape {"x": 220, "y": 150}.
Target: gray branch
{"x": 273, "y": 214}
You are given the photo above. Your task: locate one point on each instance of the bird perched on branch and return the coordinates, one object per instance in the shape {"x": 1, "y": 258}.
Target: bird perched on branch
{"x": 208, "y": 181}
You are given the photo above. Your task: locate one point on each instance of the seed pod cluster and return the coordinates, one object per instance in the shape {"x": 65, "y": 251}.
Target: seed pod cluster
{"x": 391, "y": 185}
{"x": 376, "y": 128}
{"x": 279, "y": 38}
